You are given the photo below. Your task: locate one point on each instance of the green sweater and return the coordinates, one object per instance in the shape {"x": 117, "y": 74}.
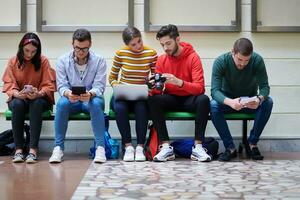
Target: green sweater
{"x": 228, "y": 81}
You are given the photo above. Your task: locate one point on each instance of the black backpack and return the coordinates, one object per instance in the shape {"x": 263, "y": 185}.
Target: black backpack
{"x": 7, "y": 146}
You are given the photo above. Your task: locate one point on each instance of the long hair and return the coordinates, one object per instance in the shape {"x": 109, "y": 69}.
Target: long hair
{"x": 30, "y": 38}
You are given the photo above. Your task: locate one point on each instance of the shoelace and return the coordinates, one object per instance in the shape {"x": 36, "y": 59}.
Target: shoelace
{"x": 130, "y": 150}
{"x": 139, "y": 151}
{"x": 18, "y": 155}
{"x": 100, "y": 151}
{"x": 164, "y": 150}
{"x": 31, "y": 156}
{"x": 56, "y": 153}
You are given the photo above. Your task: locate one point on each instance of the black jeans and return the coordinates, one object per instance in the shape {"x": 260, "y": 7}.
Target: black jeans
{"x": 159, "y": 104}
{"x": 140, "y": 110}
{"x": 20, "y": 108}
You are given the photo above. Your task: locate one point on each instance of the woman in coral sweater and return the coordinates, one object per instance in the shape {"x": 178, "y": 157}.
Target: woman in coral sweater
{"x": 29, "y": 82}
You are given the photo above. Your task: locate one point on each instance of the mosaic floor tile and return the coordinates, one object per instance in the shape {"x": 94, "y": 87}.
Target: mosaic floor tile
{"x": 185, "y": 179}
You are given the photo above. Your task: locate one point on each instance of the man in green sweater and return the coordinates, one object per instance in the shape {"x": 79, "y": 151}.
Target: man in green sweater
{"x": 237, "y": 75}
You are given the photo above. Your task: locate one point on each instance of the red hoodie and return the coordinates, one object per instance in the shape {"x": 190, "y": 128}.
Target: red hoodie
{"x": 187, "y": 66}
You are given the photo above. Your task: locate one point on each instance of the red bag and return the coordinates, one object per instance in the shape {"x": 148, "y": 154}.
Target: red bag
{"x": 152, "y": 144}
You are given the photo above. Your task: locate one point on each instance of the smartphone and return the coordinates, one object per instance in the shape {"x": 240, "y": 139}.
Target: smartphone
{"x": 27, "y": 89}
{"x": 78, "y": 89}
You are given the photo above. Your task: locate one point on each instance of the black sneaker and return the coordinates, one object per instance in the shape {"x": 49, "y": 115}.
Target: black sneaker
{"x": 255, "y": 154}
{"x": 227, "y": 155}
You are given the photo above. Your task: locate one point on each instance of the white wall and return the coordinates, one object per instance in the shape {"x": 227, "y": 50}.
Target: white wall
{"x": 280, "y": 50}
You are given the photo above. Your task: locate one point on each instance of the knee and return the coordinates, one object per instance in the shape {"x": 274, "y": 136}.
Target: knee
{"x": 202, "y": 100}
{"x": 63, "y": 104}
{"x": 37, "y": 103}
{"x": 97, "y": 104}
{"x": 268, "y": 103}
{"x": 141, "y": 106}
{"x": 214, "y": 106}
{"x": 17, "y": 105}
{"x": 154, "y": 100}
{"x": 120, "y": 107}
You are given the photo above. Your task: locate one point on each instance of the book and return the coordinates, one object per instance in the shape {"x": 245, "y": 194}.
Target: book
{"x": 246, "y": 100}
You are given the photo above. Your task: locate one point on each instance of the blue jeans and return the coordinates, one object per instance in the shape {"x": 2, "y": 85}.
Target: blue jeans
{"x": 64, "y": 108}
{"x": 262, "y": 115}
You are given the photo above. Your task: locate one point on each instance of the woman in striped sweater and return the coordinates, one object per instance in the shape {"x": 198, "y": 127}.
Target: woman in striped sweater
{"x": 131, "y": 65}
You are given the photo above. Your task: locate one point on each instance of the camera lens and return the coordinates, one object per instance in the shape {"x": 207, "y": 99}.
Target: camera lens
{"x": 157, "y": 77}
{"x": 158, "y": 81}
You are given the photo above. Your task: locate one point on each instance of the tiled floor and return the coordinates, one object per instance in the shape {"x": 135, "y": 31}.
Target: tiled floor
{"x": 185, "y": 179}
{"x": 277, "y": 177}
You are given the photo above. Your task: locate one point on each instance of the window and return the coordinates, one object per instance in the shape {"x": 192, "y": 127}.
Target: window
{"x": 13, "y": 16}
{"x": 275, "y": 16}
{"x": 193, "y": 15}
{"x": 95, "y": 15}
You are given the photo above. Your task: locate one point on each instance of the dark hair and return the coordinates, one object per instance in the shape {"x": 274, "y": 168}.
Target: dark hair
{"x": 170, "y": 30}
{"x": 129, "y": 33}
{"x": 30, "y": 38}
{"x": 81, "y": 35}
{"x": 243, "y": 46}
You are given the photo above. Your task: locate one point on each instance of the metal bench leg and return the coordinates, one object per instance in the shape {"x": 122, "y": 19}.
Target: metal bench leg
{"x": 244, "y": 144}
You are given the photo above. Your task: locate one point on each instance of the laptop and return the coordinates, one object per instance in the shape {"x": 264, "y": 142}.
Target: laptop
{"x": 130, "y": 92}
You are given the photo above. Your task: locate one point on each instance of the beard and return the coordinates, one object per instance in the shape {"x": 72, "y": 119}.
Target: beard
{"x": 175, "y": 50}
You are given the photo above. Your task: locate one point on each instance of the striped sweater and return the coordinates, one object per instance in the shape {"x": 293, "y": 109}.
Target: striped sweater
{"x": 135, "y": 67}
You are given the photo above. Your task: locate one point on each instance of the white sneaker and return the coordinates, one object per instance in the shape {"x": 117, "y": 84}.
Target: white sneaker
{"x": 139, "y": 154}
{"x": 166, "y": 153}
{"x": 57, "y": 155}
{"x": 129, "y": 154}
{"x": 200, "y": 154}
{"x": 18, "y": 158}
{"x": 100, "y": 155}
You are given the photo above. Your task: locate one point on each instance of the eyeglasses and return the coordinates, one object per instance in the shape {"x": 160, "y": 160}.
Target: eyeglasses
{"x": 84, "y": 50}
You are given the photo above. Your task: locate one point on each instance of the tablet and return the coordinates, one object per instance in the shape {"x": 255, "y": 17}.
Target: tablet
{"x": 78, "y": 89}
{"x": 130, "y": 92}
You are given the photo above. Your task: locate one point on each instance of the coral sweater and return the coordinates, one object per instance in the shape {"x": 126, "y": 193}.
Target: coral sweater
{"x": 15, "y": 78}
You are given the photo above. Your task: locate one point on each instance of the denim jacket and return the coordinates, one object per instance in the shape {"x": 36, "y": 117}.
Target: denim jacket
{"x": 94, "y": 78}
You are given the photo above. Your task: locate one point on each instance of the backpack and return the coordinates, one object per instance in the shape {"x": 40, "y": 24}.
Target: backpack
{"x": 183, "y": 147}
{"x": 7, "y": 146}
{"x": 111, "y": 145}
{"x": 6, "y": 138}
{"x": 152, "y": 144}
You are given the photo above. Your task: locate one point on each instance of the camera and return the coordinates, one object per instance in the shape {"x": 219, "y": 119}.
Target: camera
{"x": 159, "y": 81}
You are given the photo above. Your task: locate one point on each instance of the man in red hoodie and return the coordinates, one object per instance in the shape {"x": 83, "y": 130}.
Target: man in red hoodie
{"x": 183, "y": 90}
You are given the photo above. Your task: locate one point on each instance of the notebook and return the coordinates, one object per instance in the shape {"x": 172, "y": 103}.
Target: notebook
{"x": 130, "y": 92}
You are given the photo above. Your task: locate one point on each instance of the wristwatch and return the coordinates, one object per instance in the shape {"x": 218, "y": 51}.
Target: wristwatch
{"x": 92, "y": 94}
{"x": 260, "y": 99}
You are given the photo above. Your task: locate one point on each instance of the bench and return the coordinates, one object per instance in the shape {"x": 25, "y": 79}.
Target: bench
{"x": 49, "y": 115}
{"x": 245, "y": 117}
